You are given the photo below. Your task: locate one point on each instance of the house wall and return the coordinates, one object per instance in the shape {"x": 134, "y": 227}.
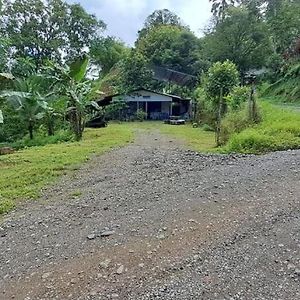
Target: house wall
{"x": 166, "y": 107}
{"x": 144, "y": 96}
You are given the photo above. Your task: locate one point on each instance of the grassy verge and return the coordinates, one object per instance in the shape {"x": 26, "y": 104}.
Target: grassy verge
{"x": 279, "y": 130}
{"x": 24, "y": 173}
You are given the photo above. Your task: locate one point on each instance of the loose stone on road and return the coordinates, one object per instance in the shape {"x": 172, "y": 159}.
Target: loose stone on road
{"x": 157, "y": 221}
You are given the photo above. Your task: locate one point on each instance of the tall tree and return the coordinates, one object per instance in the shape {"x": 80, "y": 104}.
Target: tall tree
{"x": 171, "y": 47}
{"x": 47, "y": 29}
{"x": 219, "y": 7}
{"x": 242, "y": 37}
{"x": 135, "y": 72}
{"x": 158, "y": 18}
{"x": 285, "y": 26}
{"x": 106, "y": 52}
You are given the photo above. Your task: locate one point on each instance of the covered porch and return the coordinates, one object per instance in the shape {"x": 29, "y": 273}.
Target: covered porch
{"x": 159, "y": 110}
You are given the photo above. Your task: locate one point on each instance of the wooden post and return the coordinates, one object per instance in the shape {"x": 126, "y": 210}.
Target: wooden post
{"x": 171, "y": 108}
{"x": 146, "y": 109}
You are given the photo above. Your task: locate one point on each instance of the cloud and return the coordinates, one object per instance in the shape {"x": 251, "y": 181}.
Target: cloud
{"x": 125, "y": 17}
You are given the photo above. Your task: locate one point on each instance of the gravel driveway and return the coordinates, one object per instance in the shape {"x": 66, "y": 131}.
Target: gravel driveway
{"x": 154, "y": 220}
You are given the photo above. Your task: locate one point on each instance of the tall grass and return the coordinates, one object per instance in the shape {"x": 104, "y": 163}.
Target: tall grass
{"x": 279, "y": 130}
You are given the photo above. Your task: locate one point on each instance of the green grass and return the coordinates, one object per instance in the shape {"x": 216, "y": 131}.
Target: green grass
{"x": 195, "y": 138}
{"x": 24, "y": 173}
{"x": 279, "y": 130}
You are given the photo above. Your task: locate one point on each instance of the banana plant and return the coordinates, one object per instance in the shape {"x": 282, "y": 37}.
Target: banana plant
{"x": 27, "y": 101}
{"x": 4, "y": 77}
{"x": 73, "y": 85}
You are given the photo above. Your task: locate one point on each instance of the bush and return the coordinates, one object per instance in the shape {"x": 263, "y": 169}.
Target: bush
{"x": 234, "y": 122}
{"x": 238, "y": 96}
{"x": 223, "y": 76}
{"x": 141, "y": 115}
{"x": 42, "y": 140}
{"x": 207, "y": 127}
{"x": 279, "y": 130}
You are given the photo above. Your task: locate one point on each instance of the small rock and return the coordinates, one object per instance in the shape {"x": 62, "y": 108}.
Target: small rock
{"x": 120, "y": 270}
{"x": 105, "y": 264}
{"x": 161, "y": 236}
{"x": 46, "y": 275}
{"x": 91, "y": 236}
{"x": 107, "y": 233}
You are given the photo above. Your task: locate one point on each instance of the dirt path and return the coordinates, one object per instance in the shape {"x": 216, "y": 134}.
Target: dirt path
{"x": 155, "y": 221}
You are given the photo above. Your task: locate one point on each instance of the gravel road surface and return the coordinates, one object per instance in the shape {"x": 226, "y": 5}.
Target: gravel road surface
{"x": 154, "y": 220}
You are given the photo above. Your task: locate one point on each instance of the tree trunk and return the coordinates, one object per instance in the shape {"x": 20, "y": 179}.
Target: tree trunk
{"x": 30, "y": 129}
{"x": 50, "y": 128}
{"x": 219, "y": 118}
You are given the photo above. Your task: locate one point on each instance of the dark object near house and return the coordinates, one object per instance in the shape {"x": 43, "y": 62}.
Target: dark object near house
{"x": 174, "y": 120}
{"x": 98, "y": 122}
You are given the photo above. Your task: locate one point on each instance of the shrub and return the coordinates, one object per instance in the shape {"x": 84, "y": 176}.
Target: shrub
{"x": 234, "y": 122}
{"x": 237, "y": 97}
{"x": 141, "y": 115}
{"x": 42, "y": 140}
{"x": 221, "y": 76}
{"x": 207, "y": 127}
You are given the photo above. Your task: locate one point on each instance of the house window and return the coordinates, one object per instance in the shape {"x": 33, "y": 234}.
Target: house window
{"x": 146, "y": 97}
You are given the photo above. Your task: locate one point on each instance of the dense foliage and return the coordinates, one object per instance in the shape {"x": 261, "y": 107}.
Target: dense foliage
{"x": 50, "y": 50}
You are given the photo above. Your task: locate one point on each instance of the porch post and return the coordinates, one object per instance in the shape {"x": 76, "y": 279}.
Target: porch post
{"x": 137, "y": 105}
{"x": 146, "y": 109}
{"x": 171, "y": 108}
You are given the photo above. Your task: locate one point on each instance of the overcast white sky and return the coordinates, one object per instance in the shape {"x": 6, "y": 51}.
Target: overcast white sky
{"x": 125, "y": 17}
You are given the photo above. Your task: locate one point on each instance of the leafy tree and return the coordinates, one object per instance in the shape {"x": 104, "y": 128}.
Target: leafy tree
{"x": 285, "y": 26}
{"x": 23, "y": 67}
{"x": 4, "y": 79}
{"x": 241, "y": 37}
{"x": 135, "y": 72}
{"x": 172, "y": 47}
{"x": 220, "y": 80}
{"x": 158, "y": 18}
{"x": 27, "y": 101}
{"x": 73, "y": 84}
{"x": 45, "y": 29}
{"x": 219, "y": 7}
{"x": 107, "y": 52}
{"x": 4, "y": 45}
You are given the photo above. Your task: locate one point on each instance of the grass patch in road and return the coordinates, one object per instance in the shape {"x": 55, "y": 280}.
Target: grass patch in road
{"x": 279, "y": 130}
{"x": 195, "y": 138}
{"x": 24, "y": 173}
